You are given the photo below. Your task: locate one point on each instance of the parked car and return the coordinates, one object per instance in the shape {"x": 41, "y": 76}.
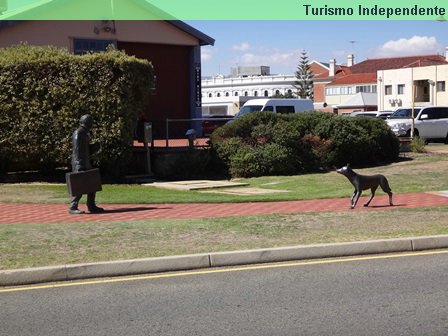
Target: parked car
{"x": 372, "y": 114}
{"x": 384, "y": 114}
{"x": 430, "y": 122}
{"x": 284, "y": 105}
{"x": 212, "y": 122}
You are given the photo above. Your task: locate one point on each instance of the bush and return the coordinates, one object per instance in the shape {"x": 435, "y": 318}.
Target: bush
{"x": 267, "y": 159}
{"x": 264, "y": 143}
{"x": 418, "y": 145}
{"x": 45, "y": 90}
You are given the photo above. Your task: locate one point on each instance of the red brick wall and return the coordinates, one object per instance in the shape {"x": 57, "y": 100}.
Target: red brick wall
{"x": 172, "y": 95}
{"x": 319, "y": 92}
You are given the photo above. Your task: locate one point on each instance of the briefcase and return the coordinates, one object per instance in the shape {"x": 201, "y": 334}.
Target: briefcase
{"x": 83, "y": 182}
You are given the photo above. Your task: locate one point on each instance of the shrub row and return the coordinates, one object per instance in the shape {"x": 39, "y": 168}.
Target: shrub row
{"x": 45, "y": 90}
{"x": 265, "y": 143}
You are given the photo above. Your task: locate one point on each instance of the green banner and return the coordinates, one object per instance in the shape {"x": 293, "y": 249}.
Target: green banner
{"x": 223, "y": 10}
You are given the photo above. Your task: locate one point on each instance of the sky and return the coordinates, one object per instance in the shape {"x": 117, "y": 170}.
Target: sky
{"x": 279, "y": 44}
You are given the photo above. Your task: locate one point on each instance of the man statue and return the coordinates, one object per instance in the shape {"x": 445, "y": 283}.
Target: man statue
{"x": 81, "y": 161}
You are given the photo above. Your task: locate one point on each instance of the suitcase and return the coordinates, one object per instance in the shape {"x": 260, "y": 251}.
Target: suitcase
{"x": 83, "y": 182}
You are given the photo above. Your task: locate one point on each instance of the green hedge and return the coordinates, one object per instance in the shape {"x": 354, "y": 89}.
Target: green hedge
{"x": 265, "y": 143}
{"x": 45, "y": 90}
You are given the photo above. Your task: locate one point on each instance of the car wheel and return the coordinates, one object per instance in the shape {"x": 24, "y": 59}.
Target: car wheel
{"x": 408, "y": 133}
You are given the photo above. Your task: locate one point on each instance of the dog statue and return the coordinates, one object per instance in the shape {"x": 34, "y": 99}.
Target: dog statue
{"x": 363, "y": 182}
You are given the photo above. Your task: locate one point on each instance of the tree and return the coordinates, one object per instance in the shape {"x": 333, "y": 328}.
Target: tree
{"x": 304, "y": 83}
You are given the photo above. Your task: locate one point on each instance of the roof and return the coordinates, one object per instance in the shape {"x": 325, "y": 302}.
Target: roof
{"x": 39, "y": 6}
{"x": 203, "y": 38}
{"x": 364, "y": 78}
{"x": 319, "y": 69}
{"x": 359, "y": 100}
{"x": 374, "y": 64}
{"x": 365, "y": 72}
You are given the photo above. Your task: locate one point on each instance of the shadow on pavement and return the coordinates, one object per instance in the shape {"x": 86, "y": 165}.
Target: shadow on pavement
{"x": 123, "y": 210}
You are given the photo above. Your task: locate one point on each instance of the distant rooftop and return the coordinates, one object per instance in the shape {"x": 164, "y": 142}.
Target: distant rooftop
{"x": 246, "y": 71}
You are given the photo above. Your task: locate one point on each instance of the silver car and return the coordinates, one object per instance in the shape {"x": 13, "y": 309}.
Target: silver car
{"x": 430, "y": 122}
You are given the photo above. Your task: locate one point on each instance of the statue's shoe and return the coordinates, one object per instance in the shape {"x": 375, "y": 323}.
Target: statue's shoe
{"x": 96, "y": 209}
{"x": 75, "y": 211}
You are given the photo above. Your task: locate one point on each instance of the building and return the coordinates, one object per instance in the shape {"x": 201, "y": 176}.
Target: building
{"x": 366, "y": 79}
{"x": 225, "y": 95}
{"x": 428, "y": 85}
{"x": 173, "y": 47}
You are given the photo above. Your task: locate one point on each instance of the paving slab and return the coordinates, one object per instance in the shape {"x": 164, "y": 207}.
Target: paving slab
{"x": 195, "y": 184}
{"x": 441, "y": 193}
{"x": 245, "y": 191}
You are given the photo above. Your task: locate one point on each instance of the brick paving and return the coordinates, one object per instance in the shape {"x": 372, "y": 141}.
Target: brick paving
{"x": 13, "y": 213}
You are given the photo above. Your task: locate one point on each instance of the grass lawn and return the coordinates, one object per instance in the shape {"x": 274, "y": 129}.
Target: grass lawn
{"x": 54, "y": 244}
{"x": 420, "y": 172}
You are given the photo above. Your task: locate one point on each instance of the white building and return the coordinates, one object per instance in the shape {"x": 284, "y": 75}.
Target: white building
{"x": 389, "y": 79}
{"x": 396, "y": 87}
{"x": 225, "y": 95}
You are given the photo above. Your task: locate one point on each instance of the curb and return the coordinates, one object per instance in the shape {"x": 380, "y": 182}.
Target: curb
{"x": 28, "y": 276}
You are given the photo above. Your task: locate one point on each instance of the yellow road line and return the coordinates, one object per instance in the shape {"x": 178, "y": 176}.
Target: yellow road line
{"x": 220, "y": 270}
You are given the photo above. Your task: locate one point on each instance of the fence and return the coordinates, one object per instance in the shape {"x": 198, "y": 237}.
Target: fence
{"x": 193, "y": 130}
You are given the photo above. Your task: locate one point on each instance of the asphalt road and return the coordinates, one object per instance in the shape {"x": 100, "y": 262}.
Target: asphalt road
{"x": 376, "y": 295}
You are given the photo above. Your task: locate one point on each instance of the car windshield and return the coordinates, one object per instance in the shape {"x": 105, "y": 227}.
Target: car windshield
{"x": 404, "y": 113}
{"x": 247, "y": 109}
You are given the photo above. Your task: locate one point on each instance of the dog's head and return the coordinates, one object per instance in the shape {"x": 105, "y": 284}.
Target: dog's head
{"x": 346, "y": 170}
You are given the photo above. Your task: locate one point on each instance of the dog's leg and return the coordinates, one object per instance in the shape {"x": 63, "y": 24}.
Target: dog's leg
{"x": 356, "y": 198}
{"x": 353, "y": 197}
{"x": 371, "y": 196}
{"x": 385, "y": 186}
{"x": 390, "y": 198}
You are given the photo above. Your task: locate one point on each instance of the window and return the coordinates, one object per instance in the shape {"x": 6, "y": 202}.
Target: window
{"x": 440, "y": 86}
{"x": 432, "y": 113}
{"x": 436, "y": 112}
{"x": 269, "y": 108}
{"x": 227, "y": 94}
{"x": 345, "y": 90}
{"x": 236, "y": 94}
{"x": 277, "y": 92}
{"x": 83, "y": 46}
{"x": 209, "y": 95}
{"x": 218, "y": 95}
{"x": 366, "y": 88}
{"x": 256, "y": 93}
{"x": 388, "y": 90}
{"x": 400, "y": 89}
{"x": 443, "y": 113}
{"x": 266, "y": 94}
{"x": 330, "y": 91}
{"x": 246, "y": 93}
{"x": 285, "y": 109}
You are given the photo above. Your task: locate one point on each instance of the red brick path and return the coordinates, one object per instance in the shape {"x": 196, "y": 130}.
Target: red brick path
{"x": 11, "y": 213}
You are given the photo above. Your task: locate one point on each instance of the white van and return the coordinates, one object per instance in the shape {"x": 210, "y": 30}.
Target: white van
{"x": 276, "y": 105}
{"x": 430, "y": 122}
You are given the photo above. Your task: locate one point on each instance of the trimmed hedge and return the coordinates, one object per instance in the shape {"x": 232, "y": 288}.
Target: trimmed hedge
{"x": 265, "y": 143}
{"x": 45, "y": 90}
